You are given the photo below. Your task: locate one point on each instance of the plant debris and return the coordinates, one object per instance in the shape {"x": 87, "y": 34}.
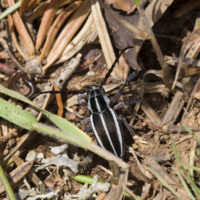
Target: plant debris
{"x": 68, "y": 46}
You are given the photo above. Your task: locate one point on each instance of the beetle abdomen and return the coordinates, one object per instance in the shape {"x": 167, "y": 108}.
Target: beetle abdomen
{"x": 108, "y": 132}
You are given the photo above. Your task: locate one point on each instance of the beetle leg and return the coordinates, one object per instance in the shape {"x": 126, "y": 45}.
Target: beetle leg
{"x": 131, "y": 77}
{"x": 120, "y": 105}
{"x": 126, "y": 124}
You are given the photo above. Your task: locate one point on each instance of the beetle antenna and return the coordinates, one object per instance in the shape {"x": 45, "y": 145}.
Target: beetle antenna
{"x": 113, "y": 65}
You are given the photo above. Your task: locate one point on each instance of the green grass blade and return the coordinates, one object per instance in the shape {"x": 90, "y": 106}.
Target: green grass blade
{"x": 189, "y": 179}
{"x": 193, "y": 167}
{"x": 58, "y": 121}
{"x": 79, "y": 142}
{"x": 85, "y": 179}
{"x": 191, "y": 133}
{"x": 175, "y": 150}
{"x": 16, "y": 115}
{"x": 136, "y": 2}
{"x": 67, "y": 126}
{"x": 192, "y": 184}
{"x": 163, "y": 181}
{"x": 7, "y": 185}
{"x": 10, "y": 10}
{"x": 15, "y": 95}
{"x": 185, "y": 185}
{"x": 54, "y": 132}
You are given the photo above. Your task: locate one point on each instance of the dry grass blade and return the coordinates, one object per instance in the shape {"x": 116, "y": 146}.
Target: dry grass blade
{"x": 106, "y": 44}
{"x": 189, "y": 49}
{"x": 31, "y": 174}
{"x": 67, "y": 33}
{"x": 174, "y": 109}
{"x": 56, "y": 27}
{"x": 27, "y": 5}
{"x": 156, "y": 9}
{"x": 65, "y": 74}
{"x": 140, "y": 34}
{"x": 167, "y": 180}
{"x": 38, "y": 11}
{"x": 24, "y": 36}
{"x": 46, "y": 23}
{"x": 164, "y": 182}
{"x": 103, "y": 33}
{"x": 165, "y": 68}
{"x": 22, "y": 140}
{"x": 151, "y": 114}
{"x": 86, "y": 35}
{"x": 117, "y": 192}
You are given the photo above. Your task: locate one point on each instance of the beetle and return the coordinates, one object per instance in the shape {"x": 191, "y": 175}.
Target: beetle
{"x": 105, "y": 124}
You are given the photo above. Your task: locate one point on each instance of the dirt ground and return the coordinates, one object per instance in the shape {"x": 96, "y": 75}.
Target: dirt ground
{"x": 68, "y": 47}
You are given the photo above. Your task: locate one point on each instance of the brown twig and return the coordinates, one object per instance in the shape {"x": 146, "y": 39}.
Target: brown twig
{"x": 59, "y": 101}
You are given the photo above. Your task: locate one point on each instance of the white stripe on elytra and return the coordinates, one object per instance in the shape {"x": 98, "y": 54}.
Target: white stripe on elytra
{"x": 118, "y": 130}
{"x": 97, "y": 104}
{"x": 106, "y": 130}
{"x": 107, "y": 133}
{"x": 95, "y": 132}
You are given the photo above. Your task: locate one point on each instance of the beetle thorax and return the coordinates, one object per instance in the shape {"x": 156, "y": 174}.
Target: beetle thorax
{"x": 97, "y": 100}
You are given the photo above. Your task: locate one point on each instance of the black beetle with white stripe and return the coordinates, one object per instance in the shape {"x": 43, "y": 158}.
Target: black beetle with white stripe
{"x": 105, "y": 124}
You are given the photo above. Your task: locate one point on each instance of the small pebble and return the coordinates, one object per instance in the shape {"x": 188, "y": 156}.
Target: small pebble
{"x": 31, "y": 156}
